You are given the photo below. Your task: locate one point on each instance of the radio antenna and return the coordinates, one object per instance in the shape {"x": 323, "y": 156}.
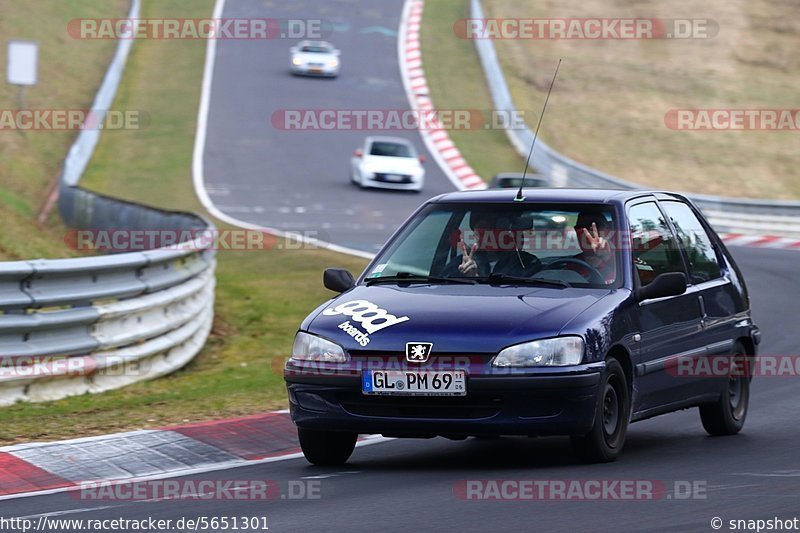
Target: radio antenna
{"x": 519, "y": 197}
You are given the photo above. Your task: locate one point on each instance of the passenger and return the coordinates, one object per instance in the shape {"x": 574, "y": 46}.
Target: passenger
{"x": 592, "y": 230}
{"x": 497, "y": 255}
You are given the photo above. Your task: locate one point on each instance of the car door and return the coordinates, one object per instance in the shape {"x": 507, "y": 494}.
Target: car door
{"x": 718, "y": 297}
{"x": 667, "y": 328}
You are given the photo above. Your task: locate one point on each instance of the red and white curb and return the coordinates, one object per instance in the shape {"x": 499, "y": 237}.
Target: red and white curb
{"x": 761, "y": 241}
{"x": 435, "y": 137}
{"x": 45, "y": 468}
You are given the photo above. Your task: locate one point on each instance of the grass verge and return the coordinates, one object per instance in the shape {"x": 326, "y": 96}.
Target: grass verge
{"x": 69, "y": 72}
{"x": 456, "y": 81}
{"x": 261, "y": 296}
{"x": 609, "y": 102}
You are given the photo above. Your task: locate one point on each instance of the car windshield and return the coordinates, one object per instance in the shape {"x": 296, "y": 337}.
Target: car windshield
{"x": 316, "y": 49}
{"x": 573, "y": 245}
{"x": 390, "y": 149}
{"x": 514, "y": 182}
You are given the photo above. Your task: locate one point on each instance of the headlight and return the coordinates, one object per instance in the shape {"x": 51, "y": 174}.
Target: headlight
{"x": 296, "y": 61}
{"x": 333, "y": 63}
{"x": 560, "y": 351}
{"x": 312, "y": 348}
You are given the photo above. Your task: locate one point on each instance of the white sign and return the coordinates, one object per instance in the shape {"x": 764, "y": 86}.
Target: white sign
{"x": 22, "y": 59}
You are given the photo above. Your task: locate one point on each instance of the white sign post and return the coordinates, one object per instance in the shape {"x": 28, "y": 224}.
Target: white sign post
{"x": 22, "y": 65}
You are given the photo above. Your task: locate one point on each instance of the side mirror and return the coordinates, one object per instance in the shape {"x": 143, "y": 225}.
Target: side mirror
{"x": 666, "y": 284}
{"x": 422, "y": 159}
{"x": 338, "y": 279}
{"x": 358, "y": 153}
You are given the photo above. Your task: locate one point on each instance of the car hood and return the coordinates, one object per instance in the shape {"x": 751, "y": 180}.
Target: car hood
{"x": 455, "y": 318}
{"x": 388, "y": 165}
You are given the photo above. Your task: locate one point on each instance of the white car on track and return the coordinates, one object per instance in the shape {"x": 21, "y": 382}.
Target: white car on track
{"x": 388, "y": 163}
{"x": 315, "y": 58}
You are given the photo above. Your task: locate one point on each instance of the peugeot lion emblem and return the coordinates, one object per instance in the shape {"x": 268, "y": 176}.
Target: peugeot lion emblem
{"x": 418, "y": 352}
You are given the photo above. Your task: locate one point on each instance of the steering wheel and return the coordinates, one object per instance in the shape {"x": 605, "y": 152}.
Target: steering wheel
{"x": 594, "y": 275}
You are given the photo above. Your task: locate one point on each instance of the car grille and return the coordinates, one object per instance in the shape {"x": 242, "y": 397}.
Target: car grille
{"x": 463, "y": 407}
{"x": 404, "y": 178}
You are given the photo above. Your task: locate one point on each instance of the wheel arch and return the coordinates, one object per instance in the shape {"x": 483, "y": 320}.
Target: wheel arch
{"x": 621, "y": 354}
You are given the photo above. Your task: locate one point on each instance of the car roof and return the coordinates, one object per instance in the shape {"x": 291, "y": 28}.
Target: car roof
{"x": 553, "y": 195}
{"x": 397, "y": 140}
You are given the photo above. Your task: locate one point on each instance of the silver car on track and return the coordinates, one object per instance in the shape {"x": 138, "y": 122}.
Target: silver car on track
{"x": 387, "y": 163}
{"x": 315, "y": 58}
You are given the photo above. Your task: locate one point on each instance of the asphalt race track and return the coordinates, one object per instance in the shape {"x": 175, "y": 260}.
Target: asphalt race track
{"x": 407, "y": 485}
{"x": 300, "y": 180}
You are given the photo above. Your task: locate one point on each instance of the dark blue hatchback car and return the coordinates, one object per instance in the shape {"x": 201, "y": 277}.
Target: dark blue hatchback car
{"x": 571, "y": 312}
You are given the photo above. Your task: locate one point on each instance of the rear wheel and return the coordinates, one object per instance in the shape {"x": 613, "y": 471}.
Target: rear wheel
{"x": 603, "y": 443}
{"x": 326, "y": 448}
{"x": 727, "y": 416}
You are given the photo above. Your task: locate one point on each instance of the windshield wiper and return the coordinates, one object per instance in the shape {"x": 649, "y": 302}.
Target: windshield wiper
{"x": 414, "y": 278}
{"x": 500, "y": 277}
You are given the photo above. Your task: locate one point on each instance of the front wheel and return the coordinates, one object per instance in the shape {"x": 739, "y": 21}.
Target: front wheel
{"x": 726, "y": 416}
{"x": 603, "y": 443}
{"x": 326, "y": 448}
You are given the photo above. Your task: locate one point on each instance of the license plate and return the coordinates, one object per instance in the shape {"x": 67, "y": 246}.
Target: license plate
{"x": 414, "y": 383}
{"x": 394, "y": 177}
{"x": 316, "y": 69}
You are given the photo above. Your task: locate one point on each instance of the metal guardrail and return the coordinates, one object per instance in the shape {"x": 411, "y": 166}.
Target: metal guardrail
{"x": 737, "y": 215}
{"x": 90, "y": 324}
{"x": 84, "y": 325}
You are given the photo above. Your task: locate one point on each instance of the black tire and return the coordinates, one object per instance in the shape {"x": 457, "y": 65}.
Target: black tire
{"x": 603, "y": 443}
{"x": 727, "y": 416}
{"x": 326, "y": 448}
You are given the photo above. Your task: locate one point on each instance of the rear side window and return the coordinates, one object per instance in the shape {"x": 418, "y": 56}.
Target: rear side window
{"x": 654, "y": 249}
{"x": 703, "y": 261}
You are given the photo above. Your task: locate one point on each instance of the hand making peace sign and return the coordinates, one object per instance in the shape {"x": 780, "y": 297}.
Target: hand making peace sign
{"x": 468, "y": 266}
{"x": 599, "y": 244}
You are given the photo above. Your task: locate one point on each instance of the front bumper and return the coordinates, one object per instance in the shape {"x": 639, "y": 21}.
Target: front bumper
{"x": 526, "y": 404}
{"x": 305, "y": 70}
{"x": 409, "y": 183}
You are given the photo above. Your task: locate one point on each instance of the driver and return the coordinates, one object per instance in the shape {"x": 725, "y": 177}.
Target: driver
{"x": 592, "y": 229}
{"x": 483, "y": 258}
